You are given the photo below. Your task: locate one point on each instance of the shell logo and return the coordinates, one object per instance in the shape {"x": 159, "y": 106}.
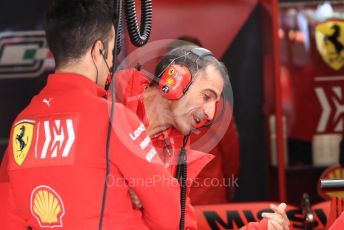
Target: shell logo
{"x": 169, "y": 81}
{"x": 47, "y": 207}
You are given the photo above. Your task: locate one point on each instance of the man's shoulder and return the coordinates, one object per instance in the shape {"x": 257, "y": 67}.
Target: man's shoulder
{"x": 130, "y": 83}
{"x": 124, "y": 115}
{"x": 132, "y": 133}
{"x": 130, "y": 74}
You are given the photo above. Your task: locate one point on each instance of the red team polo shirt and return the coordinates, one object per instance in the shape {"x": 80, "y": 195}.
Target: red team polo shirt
{"x": 130, "y": 85}
{"x": 56, "y": 164}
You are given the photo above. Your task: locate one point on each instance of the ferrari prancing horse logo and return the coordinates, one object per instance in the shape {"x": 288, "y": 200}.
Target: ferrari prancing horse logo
{"x": 329, "y": 38}
{"x": 22, "y": 139}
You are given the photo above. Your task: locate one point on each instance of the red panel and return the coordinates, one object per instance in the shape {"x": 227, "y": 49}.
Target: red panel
{"x": 273, "y": 84}
{"x": 215, "y": 23}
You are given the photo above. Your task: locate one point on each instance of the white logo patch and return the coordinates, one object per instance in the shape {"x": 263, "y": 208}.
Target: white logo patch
{"x": 145, "y": 143}
{"x": 59, "y": 137}
{"x": 137, "y": 132}
{"x": 150, "y": 155}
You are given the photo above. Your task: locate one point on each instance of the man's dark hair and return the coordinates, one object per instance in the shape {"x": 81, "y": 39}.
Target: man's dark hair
{"x": 73, "y": 26}
{"x": 183, "y": 56}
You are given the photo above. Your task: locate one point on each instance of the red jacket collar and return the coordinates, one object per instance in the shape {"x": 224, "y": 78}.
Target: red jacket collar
{"x": 65, "y": 81}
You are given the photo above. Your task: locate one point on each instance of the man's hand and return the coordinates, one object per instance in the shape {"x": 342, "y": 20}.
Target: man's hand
{"x": 135, "y": 199}
{"x": 277, "y": 220}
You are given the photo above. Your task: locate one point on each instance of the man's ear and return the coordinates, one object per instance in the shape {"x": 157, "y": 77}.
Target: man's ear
{"x": 97, "y": 50}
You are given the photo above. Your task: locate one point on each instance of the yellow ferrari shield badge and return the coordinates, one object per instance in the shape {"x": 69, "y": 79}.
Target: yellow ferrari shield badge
{"x": 329, "y": 38}
{"x": 22, "y": 139}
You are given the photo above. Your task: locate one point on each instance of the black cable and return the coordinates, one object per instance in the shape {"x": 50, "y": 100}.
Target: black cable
{"x": 95, "y": 63}
{"x": 139, "y": 36}
{"x": 182, "y": 174}
{"x": 180, "y": 162}
{"x": 119, "y": 29}
{"x": 181, "y": 157}
{"x": 183, "y": 195}
{"x": 118, "y": 7}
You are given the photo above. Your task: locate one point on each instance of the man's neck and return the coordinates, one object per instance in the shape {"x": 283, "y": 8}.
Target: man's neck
{"x": 77, "y": 68}
{"x": 158, "y": 111}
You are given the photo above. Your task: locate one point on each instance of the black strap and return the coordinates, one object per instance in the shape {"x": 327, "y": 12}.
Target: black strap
{"x": 181, "y": 174}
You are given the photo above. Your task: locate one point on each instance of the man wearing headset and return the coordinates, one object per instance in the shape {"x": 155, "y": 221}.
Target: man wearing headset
{"x": 56, "y": 158}
{"x": 181, "y": 98}
{"x": 226, "y": 163}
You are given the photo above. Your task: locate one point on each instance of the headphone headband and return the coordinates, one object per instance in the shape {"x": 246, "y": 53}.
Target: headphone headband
{"x": 201, "y": 52}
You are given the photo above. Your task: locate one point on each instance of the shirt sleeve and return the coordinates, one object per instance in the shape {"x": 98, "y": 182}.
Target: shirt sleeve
{"x": 9, "y": 216}
{"x": 144, "y": 172}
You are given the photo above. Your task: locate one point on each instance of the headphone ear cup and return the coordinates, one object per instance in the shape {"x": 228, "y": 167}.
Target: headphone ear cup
{"x": 175, "y": 81}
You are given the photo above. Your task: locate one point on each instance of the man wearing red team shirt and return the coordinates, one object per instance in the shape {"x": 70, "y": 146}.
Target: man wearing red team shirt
{"x": 56, "y": 158}
{"x": 171, "y": 115}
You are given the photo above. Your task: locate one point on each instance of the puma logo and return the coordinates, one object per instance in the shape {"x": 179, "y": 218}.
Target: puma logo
{"x": 47, "y": 101}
